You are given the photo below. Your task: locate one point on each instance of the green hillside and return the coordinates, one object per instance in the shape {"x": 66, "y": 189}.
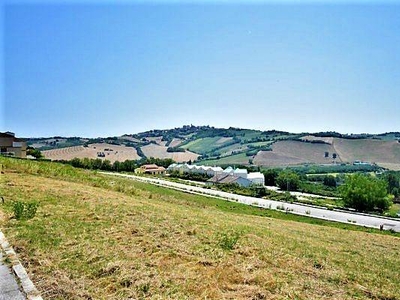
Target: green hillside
{"x": 97, "y": 237}
{"x": 244, "y": 146}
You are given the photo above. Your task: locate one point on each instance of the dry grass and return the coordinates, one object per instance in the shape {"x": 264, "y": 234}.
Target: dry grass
{"x": 293, "y": 153}
{"x": 148, "y": 242}
{"x": 385, "y": 153}
{"x": 120, "y": 153}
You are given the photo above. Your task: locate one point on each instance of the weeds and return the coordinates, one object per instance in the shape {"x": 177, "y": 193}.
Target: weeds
{"x": 228, "y": 240}
{"x": 24, "y": 210}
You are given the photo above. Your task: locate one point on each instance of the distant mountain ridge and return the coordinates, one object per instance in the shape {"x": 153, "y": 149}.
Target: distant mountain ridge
{"x": 220, "y": 146}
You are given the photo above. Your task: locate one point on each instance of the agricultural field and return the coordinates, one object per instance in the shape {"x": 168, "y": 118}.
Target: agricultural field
{"x": 111, "y": 152}
{"x": 237, "y": 159}
{"x": 288, "y": 149}
{"x": 153, "y": 150}
{"x": 99, "y": 237}
{"x": 202, "y": 145}
{"x": 295, "y": 152}
{"x": 381, "y": 152}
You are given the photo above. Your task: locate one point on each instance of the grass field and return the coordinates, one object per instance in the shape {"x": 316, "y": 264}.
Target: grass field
{"x": 96, "y": 237}
{"x": 236, "y": 159}
{"x": 202, "y": 145}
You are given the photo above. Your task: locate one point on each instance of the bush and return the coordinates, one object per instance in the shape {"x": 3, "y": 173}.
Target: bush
{"x": 228, "y": 240}
{"x": 270, "y": 176}
{"x": 330, "y": 181}
{"x": 365, "y": 193}
{"x": 288, "y": 181}
{"x": 24, "y": 210}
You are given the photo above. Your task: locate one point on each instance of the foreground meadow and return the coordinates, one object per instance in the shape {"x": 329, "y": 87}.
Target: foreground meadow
{"x": 97, "y": 237}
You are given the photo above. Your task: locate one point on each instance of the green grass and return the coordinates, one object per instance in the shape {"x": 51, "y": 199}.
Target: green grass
{"x": 101, "y": 237}
{"x": 203, "y": 145}
{"x": 238, "y": 159}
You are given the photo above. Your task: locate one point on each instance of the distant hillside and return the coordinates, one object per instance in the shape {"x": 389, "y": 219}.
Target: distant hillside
{"x": 219, "y": 146}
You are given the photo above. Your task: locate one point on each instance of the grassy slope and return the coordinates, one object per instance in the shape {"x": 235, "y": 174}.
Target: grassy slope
{"x": 202, "y": 145}
{"x": 109, "y": 238}
{"x": 239, "y": 159}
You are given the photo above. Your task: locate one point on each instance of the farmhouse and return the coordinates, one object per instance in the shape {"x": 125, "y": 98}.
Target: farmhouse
{"x": 12, "y": 146}
{"x": 150, "y": 169}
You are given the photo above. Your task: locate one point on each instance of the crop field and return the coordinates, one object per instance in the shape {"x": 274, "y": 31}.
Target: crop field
{"x": 385, "y": 153}
{"x": 111, "y": 152}
{"x": 236, "y": 159}
{"x": 175, "y": 142}
{"x": 159, "y": 151}
{"x": 96, "y": 237}
{"x": 202, "y": 145}
{"x": 295, "y": 152}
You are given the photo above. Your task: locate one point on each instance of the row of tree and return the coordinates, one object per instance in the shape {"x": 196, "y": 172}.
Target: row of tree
{"x": 106, "y": 165}
{"x": 360, "y": 191}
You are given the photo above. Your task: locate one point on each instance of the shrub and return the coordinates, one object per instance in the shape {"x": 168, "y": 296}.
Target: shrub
{"x": 288, "y": 181}
{"x": 228, "y": 240}
{"x": 365, "y": 193}
{"x": 24, "y": 210}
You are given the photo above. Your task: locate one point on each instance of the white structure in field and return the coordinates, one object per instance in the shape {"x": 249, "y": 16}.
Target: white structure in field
{"x": 194, "y": 169}
{"x": 255, "y": 178}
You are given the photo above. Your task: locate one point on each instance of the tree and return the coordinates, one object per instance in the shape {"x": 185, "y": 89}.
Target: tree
{"x": 365, "y": 193}
{"x": 330, "y": 180}
{"x": 270, "y": 176}
{"x": 288, "y": 181}
{"x": 34, "y": 152}
{"x": 393, "y": 182}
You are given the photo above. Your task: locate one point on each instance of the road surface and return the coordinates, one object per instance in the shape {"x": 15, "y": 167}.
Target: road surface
{"x": 298, "y": 209}
{"x": 9, "y": 288}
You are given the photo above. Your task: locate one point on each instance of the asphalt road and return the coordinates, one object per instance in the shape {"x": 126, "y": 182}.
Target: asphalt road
{"x": 298, "y": 209}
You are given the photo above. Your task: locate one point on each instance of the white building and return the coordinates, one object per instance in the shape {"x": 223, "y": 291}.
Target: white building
{"x": 240, "y": 173}
{"x": 228, "y": 170}
{"x": 256, "y": 178}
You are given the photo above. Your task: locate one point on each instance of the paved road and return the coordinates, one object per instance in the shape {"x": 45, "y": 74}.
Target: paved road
{"x": 9, "y": 289}
{"x": 298, "y": 209}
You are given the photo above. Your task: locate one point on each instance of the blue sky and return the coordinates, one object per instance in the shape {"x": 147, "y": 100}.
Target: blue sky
{"x": 99, "y": 69}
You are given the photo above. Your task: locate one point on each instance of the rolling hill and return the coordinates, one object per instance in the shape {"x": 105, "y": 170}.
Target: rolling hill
{"x": 220, "y": 146}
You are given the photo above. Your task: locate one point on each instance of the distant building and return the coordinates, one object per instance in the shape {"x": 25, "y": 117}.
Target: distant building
{"x": 229, "y": 179}
{"x": 240, "y": 173}
{"x": 256, "y": 178}
{"x": 194, "y": 169}
{"x": 150, "y": 169}
{"x": 219, "y": 175}
{"x": 12, "y": 146}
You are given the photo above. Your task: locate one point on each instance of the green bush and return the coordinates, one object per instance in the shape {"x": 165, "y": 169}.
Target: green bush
{"x": 288, "y": 181}
{"x": 24, "y": 210}
{"x": 228, "y": 240}
{"x": 365, "y": 193}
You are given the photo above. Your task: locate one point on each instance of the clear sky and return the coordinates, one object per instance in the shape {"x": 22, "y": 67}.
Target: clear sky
{"x": 99, "y": 69}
